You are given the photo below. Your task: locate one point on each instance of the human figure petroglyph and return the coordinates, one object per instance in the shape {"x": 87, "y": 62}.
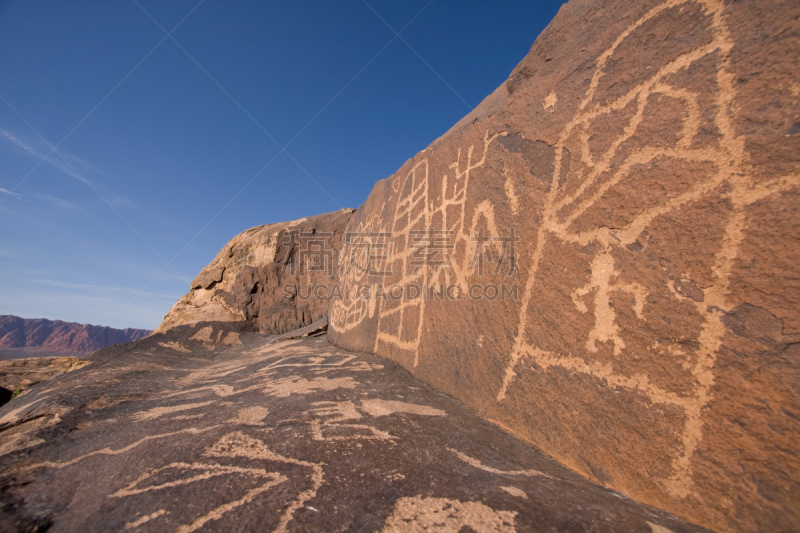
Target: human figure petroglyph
{"x": 602, "y": 284}
{"x": 601, "y": 172}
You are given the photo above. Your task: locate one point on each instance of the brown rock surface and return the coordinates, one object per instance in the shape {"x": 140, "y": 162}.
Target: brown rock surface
{"x": 54, "y": 336}
{"x": 21, "y": 374}
{"x": 176, "y": 433}
{"x": 260, "y": 277}
{"x": 647, "y": 157}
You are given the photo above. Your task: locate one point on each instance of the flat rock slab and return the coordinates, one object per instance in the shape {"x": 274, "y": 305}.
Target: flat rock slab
{"x": 209, "y": 429}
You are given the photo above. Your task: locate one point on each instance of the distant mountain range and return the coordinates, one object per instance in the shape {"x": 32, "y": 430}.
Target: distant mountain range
{"x": 55, "y": 336}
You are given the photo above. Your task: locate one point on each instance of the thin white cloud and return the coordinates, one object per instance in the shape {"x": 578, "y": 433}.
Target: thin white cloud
{"x": 10, "y": 193}
{"x": 59, "y": 202}
{"x": 50, "y": 160}
{"x": 55, "y": 161}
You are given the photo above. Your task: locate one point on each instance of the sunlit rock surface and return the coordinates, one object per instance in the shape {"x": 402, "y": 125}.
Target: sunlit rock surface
{"x": 633, "y": 191}
{"x": 260, "y": 277}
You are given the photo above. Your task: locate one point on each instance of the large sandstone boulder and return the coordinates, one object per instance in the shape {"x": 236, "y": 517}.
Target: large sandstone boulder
{"x": 605, "y": 256}
{"x": 262, "y": 275}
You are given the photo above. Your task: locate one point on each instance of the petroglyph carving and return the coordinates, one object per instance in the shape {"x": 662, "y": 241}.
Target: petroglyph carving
{"x": 157, "y": 412}
{"x": 118, "y": 451}
{"x": 605, "y": 327}
{"x": 262, "y": 378}
{"x": 340, "y": 411}
{"x": 420, "y": 514}
{"x": 232, "y": 445}
{"x": 589, "y": 170}
{"x": 415, "y": 209}
{"x": 237, "y": 444}
{"x": 145, "y": 519}
{"x": 346, "y": 412}
{"x": 352, "y": 432}
{"x": 253, "y": 415}
{"x": 178, "y": 347}
{"x": 188, "y": 417}
{"x": 195, "y": 471}
{"x": 477, "y": 464}
{"x": 598, "y": 172}
{"x": 377, "y": 407}
{"x": 514, "y": 491}
{"x": 283, "y": 388}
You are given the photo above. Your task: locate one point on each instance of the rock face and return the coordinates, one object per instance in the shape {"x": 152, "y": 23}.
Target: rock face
{"x": 21, "y": 374}
{"x": 55, "y": 336}
{"x": 261, "y": 277}
{"x": 605, "y": 256}
{"x": 179, "y": 433}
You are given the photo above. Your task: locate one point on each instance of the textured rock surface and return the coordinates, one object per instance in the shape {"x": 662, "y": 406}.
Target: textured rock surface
{"x": 55, "y": 336}
{"x": 21, "y": 374}
{"x": 646, "y": 155}
{"x": 251, "y": 278}
{"x": 176, "y": 433}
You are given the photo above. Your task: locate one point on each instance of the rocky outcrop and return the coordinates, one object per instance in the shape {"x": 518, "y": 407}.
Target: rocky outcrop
{"x": 603, "y": 257}
{"x": 21, "y": 374}
{"x": 262, "y": 277}
{"x": 173, "y": 433}
{"x": 55, "y": 336}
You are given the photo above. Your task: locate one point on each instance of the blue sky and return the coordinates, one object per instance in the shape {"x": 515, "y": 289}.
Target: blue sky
{"x": 168, "y": 121}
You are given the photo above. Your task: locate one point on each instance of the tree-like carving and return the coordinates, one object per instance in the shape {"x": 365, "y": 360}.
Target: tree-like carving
{"x": 593, "y": 175}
